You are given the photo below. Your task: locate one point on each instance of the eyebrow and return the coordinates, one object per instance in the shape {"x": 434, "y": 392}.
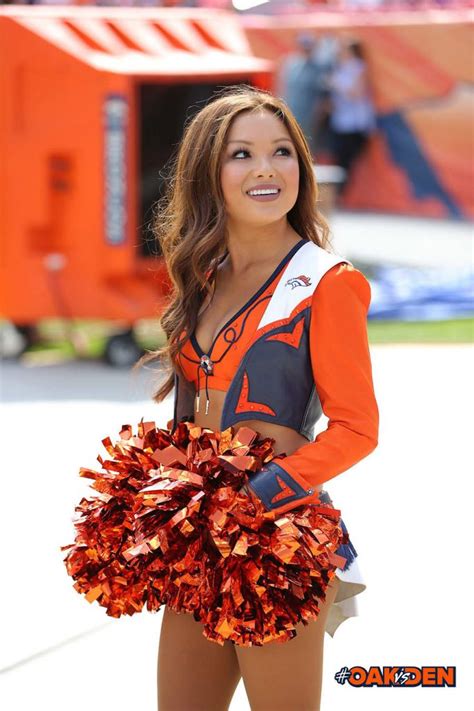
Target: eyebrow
{"x": 250, "y": 143}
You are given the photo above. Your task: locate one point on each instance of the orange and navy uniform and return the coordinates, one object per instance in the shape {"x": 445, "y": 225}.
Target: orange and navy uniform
{"x": 298, "y": 348}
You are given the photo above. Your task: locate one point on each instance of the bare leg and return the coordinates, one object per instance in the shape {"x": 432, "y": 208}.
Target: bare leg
{"x": 194, "y": 674}
{"x": 288, "y": 675}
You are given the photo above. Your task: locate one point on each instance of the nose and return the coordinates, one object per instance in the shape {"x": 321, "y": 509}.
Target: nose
{"x": 264, "y": 169}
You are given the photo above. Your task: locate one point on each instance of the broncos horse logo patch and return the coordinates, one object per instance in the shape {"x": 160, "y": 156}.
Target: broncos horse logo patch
{"x": 301, "y": 280}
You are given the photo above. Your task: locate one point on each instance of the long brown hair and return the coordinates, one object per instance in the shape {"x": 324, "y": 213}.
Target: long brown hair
{"x": 190, "y": 220}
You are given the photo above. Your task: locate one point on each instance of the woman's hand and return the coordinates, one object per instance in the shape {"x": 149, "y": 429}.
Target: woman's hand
{"x": 245, "y": 489}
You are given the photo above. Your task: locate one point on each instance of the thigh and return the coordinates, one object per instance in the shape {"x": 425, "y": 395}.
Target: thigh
{"x": 288, "y": 675}
{"x": 194, "y": 674}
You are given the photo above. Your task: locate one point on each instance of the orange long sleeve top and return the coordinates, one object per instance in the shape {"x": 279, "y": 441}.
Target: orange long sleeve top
{"x": 342, "y": 370}
{"x": 342, "y": 373}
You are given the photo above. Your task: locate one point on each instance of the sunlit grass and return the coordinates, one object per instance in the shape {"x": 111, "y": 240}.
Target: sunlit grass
{"x": 451, "y": 331}
{"x": 60, "y": 340}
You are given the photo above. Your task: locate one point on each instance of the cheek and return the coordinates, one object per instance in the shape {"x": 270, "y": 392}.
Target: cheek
{"x": 231, "y": 181}
{"x": 292, "y": 178}
{"x": 293, "y": 175}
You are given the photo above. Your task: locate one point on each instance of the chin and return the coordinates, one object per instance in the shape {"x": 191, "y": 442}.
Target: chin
{"x": 262, "y": 217}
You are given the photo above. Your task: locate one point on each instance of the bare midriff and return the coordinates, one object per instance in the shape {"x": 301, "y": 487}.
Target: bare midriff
{"x": 286, "y": 439}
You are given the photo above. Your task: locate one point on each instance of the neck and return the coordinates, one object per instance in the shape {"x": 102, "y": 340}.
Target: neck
{"x": 251, "y": 246}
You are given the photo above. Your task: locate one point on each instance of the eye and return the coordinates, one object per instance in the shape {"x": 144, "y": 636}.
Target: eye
{"x": 240, "y": 153}
{"x": 235, "y": 154}
{"x": 286, "y": 151}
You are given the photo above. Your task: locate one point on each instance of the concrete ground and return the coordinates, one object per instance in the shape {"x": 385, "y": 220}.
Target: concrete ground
{"x": 407, "y": 506}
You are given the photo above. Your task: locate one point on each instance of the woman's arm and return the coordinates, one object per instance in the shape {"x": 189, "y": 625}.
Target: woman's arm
{"x": 342, "y": 372}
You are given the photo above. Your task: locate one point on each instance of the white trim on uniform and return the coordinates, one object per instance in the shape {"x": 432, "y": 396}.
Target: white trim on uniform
{"x": 311, "y": 262}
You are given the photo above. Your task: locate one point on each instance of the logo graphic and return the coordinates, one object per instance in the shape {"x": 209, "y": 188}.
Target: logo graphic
{"x": 397, "y": 676}
{"x": 342, "y": 675}
{"x": 301, "y": 280}
{"x": 286, "y": 491}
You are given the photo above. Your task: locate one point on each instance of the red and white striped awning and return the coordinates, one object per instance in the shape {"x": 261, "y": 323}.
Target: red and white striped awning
{"x": 175, "y": 42}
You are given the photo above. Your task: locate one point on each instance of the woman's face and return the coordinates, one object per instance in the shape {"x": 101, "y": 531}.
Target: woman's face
{"x": 260, "y": 170}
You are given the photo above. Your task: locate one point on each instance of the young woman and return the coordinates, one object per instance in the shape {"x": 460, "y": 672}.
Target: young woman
{"x": 266, "y": 328}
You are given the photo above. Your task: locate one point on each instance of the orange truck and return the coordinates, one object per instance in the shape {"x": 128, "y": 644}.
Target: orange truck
{"x": 94, "y": 100}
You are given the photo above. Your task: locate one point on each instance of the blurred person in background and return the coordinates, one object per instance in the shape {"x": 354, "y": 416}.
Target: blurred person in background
{"x": 301, "y": 84}
{"x": 326, "y": 54}
{"x": 352, "y": 118}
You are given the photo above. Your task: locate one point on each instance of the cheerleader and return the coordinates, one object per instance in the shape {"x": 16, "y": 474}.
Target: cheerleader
{"x": 266, "y": 329}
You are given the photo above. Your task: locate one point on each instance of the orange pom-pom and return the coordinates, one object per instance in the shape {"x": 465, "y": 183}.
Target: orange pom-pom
{"x": 171, "y": 525}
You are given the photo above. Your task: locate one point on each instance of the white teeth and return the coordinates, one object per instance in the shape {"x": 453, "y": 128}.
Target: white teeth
{"x": 263, "y": 192}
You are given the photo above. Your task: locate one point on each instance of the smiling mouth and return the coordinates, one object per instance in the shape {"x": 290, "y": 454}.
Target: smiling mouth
{"x": 263, "y": 192}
